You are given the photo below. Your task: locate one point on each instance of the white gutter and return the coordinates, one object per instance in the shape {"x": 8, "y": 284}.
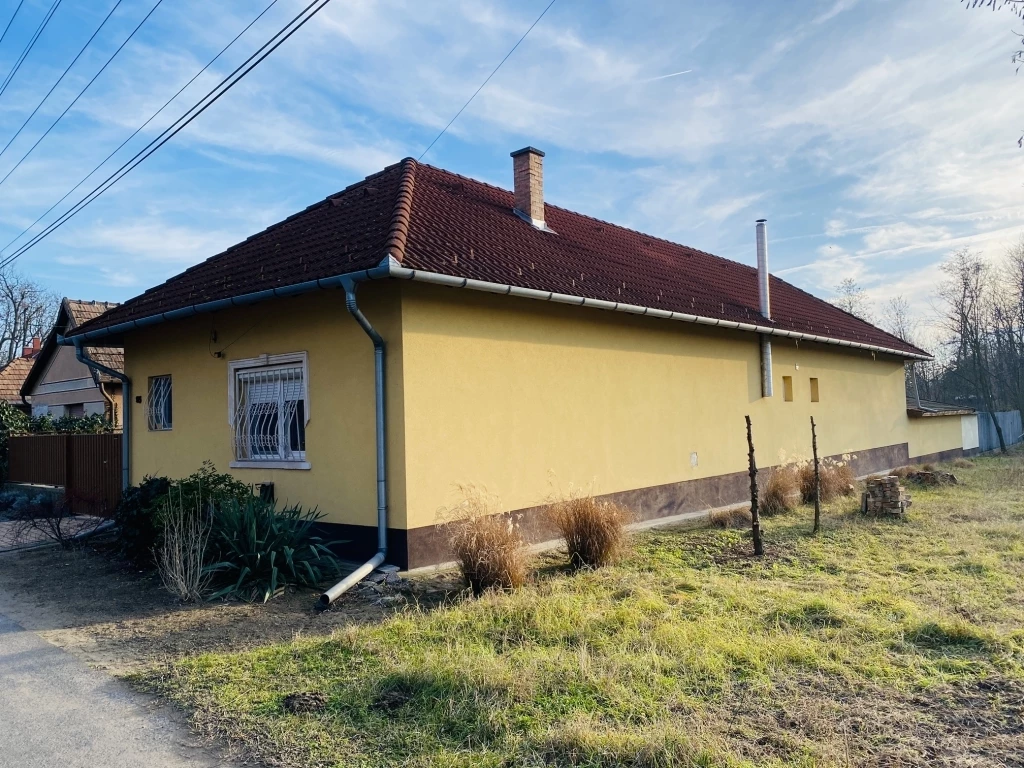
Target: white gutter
{"x": 451, "y": 281}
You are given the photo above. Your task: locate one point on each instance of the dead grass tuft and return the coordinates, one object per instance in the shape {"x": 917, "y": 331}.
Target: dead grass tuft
{"x": 488, "y": 548}
{"x": 779, "y": 491}
{"x": 594, "y": 531}
{"x": 837, "y": 479}
{"x": 736, "y": 517}
{"x": 963, "y": 463}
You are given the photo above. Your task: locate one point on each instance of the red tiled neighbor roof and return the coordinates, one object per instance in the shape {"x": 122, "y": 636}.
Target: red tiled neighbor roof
{"x": 12, "y": 376}
{"x": 432, "y": 220}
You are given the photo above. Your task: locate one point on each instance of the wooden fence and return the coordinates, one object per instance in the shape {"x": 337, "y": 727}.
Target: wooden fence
{"x": 87, "y": 467}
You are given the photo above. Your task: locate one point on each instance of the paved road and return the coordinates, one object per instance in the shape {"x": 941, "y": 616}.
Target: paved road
{"x": 56, "y": 711}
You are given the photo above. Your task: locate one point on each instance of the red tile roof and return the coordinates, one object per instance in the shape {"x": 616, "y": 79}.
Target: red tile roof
{"x": 12, "y": 376}
{"x": 432, "y": 220}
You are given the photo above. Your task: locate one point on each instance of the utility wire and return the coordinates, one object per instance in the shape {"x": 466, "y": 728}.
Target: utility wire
{"x": 11, "y": 21}
{"x": 30, "y": 46}
{"x": 138, "y": 130}
{"x": 81, "y": 93}
{"x": 485, "y": 82}
{"x": 62, "y": 76}
{"x": 171, "y": 131}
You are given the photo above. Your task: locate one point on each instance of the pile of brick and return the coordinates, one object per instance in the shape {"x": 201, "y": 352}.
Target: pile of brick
{"x": 884, "y": 496}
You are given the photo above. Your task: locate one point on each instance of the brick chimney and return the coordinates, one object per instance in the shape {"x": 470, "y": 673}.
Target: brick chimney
{"x": 34, "y": 349}
{"x": 528, "y": 173}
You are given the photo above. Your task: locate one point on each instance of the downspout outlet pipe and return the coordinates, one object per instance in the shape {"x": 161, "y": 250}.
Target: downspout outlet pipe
{"x": 379, "y": 350}
{"x": 765, "y": 300}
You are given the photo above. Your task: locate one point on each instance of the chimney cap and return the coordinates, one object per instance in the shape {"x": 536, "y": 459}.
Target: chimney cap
{"x": 761, "y": 221}
{"x": 526, "y": 150}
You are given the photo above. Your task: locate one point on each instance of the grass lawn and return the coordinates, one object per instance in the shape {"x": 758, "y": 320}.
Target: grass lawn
{"x": 875, "y": 643}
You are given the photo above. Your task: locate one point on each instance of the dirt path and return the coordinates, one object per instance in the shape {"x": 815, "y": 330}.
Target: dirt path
{"x": 54, "y": 710}
{"x": 119, "y": 619}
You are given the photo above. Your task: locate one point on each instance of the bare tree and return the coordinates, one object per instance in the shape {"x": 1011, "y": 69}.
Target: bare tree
{"x": 1017, "y": 8}
{"x": 968, "y": 297}
{"x": 898, "y": 319}
{"x": 26, "y": 310}
{"x": 850, "y": 297}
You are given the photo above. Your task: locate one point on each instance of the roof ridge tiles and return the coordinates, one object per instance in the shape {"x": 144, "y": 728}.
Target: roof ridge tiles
{"x": 398, "y": 233}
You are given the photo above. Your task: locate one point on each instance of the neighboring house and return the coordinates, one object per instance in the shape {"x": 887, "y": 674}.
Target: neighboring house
{"x": 522, "y": 347}
{"x": 13, "y": 375}
{"x": 59, "y": 385}
{"x": 942, "y": 431}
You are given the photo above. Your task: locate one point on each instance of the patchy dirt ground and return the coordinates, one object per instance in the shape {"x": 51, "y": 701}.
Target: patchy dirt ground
{"x": 120, "y": 619}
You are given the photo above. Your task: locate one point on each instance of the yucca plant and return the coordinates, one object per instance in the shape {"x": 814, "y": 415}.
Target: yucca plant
{"x": 258, "y": 550}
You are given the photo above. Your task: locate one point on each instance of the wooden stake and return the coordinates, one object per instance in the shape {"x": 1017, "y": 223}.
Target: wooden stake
{"x": 755, "y": 520}
{"x": 817, "y": 478}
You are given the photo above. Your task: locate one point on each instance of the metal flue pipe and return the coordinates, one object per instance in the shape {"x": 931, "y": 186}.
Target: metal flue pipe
{"x": 764, "y": 296}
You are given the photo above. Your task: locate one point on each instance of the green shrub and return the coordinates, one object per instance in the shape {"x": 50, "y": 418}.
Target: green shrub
{"x": 12, "y": 422}
{"x": 258, "y": 550}
{"x": 137, "y": 519}
{"x": 139, "y": 515}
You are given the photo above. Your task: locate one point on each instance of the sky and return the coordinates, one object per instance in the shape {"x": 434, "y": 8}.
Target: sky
{"x": 876, "y": 137}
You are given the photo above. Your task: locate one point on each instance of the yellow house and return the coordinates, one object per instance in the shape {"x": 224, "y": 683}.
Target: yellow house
{"x": 420, "y": 330}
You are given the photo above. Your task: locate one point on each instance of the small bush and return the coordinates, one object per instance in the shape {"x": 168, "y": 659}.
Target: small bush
{"x": 258, "y": 550}
{"x": 139, "y": 515}
{"x": 488, "y": 548}
{"x": 779, "y": 491}
{"x": 182, "y": 551}
{"x": 837, "y": 479}
{"x": 738, "y": 517}
{"x": 137, "y": 519}
{"x": 594, "y": 531}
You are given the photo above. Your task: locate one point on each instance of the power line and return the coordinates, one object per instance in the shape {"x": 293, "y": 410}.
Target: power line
{"x": 485, "y": 82}
{"x": 211, "y": 98}
{"x": 61, "y": 78}
{"x": 30, "y": 46}
{"x": 80, "y": 93}
{"x": 21, "y": 3}
{"x": 138, "y": 130}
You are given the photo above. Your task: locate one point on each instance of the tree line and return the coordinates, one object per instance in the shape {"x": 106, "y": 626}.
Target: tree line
{"x": 979, "y": 352}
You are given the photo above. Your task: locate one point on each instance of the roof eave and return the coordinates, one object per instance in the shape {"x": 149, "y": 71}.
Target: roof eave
{"x": 86, "y": 335}
{"x": 453, "y": 281}
{"x": 389, "y": 268}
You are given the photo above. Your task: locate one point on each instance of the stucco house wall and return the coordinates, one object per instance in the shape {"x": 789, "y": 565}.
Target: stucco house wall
{"x": 340, "y": 447}
{"x": 520, "y": 397}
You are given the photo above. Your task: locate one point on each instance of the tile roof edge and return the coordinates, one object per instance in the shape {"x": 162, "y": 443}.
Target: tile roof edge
{"x": 454, "y": 281}
{"x": 398, "y": 234}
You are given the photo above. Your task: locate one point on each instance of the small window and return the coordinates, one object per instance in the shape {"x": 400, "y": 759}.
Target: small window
{"x": 787, "y": 388}
{"x": 814, "y": 390}
{"x": 158, "y": 403}
{"x": 269, "y": 409}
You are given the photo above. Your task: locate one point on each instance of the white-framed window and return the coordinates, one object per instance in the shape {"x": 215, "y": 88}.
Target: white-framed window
{"x": 268, "y": 410}
{"x": 158, "y": 404}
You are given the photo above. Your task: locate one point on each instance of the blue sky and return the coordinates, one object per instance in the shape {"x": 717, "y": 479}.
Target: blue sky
{"x": 875, "y": 136}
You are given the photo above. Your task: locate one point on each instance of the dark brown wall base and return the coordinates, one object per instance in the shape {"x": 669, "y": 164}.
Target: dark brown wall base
{"x": 939, "y": 457}
{"x": 428, "y": 545}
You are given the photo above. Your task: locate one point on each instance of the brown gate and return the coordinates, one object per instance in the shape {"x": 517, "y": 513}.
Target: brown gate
{"x": 88, "y": 467}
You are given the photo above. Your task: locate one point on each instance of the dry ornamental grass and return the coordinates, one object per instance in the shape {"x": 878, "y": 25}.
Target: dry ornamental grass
{"x": 594, "y": 531}
{"x": 780, "y": 490}
{"x": 837, "y": 479}
{"x": 489, "y": 550}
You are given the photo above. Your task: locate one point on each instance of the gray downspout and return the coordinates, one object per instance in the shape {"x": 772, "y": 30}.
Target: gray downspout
{"x": 364, "y": 570}
{"x": 913, "y": 378}
{"x": 126, "y": 398}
